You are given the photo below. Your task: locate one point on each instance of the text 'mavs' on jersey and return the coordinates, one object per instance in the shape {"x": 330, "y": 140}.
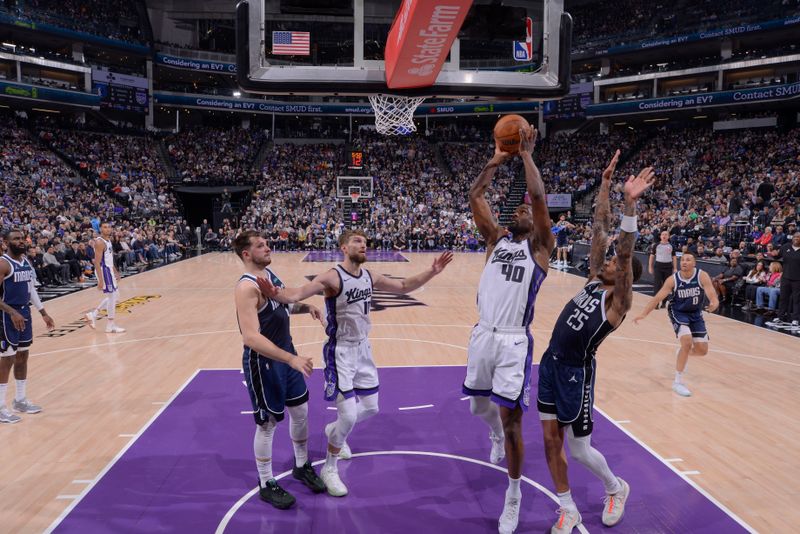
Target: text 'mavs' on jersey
{"x": 509, "y": 284}
{"x": 688, "y": 296}
{"x": 581, "y": 327}
{"x": 16, "y": 287}
{"x": 348, "y": 311}
{"x": 273, "y": 317}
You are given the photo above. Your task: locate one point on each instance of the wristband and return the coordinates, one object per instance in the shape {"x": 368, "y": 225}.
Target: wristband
{"x": 629, "y": 224}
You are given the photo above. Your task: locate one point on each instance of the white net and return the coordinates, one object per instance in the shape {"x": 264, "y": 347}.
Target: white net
{"x": 394, "y": 115}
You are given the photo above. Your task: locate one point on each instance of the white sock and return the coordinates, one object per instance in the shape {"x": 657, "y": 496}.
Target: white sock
{"x": 262, "y": 447}
{"x": 330, "y": 460}
{"x": 566, "y": 502}
{"x": 20, "y": 393}
{"x": 678, "y": 377}
{"x": 3, "y": 389}
{"x": 298, "y": 431}
{"x": 513, "y": 487}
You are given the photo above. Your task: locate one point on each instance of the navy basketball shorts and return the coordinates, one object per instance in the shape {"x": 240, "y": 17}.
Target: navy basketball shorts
{"x": 11, "y": 339}
{"x": 272, "y": 386}
{"x": 566, "y": 394}
{"x": 686, "y": 324}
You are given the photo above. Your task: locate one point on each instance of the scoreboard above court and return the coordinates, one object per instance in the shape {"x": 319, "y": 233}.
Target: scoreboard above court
{"x": 572, "y": 106}
{"x": 123, "y": 92}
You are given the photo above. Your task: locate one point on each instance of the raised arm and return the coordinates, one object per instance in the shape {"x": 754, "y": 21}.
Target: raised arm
{"x": 542, "y": 235}
{"x": 246, "y": 296}
{"x": 602, "y": 220}
{"x": 666, "y": 289}
{"x": 623, "y": 285}
{"x": 708, "y": 287}
{"x": 406, "y": 285}
{"x": 481, "y": 212}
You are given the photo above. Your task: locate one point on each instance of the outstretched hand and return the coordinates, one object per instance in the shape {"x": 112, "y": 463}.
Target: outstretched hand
{"x": 637, "y": 185}
{"x": 316, "y": 314}
{"x": 609, "y": 172}
{"x": 441, "y": 262}
{"x": 499, "y": 156}
{"x": 527, "y": 140}
{"x": 267, "y": 289}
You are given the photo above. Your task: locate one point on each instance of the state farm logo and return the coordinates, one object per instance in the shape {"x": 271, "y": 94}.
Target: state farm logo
{"x": 422, "y": 70}
{"x": 435, "y": 35}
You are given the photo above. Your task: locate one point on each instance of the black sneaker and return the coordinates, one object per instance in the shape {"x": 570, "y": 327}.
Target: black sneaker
{"x": 272, "y": 493}
{"x": 308, "y": 477}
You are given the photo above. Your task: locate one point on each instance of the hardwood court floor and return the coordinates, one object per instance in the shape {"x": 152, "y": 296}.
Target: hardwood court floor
{"x": 738, "y": 434}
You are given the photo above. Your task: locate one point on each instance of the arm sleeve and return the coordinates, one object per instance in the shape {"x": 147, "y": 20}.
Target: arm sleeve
{"x": 35, "y": 300}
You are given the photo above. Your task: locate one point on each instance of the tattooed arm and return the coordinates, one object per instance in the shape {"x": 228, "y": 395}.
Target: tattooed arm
{"x": 623, "y": 286}
{"x": 602, "y": 220}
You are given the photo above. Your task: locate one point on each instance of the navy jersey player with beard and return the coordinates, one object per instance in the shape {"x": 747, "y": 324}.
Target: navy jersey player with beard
{"x": 567, "y": 370}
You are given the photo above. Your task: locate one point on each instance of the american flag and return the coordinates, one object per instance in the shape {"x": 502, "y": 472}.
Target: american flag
{"x": 291, "y": 43}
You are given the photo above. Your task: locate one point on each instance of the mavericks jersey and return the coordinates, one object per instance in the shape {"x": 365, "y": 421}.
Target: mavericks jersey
{"x": 581, "y": 327}
{"x": 509, "y": 284}
{"x": 273, "y": 317}
{"x": 348, "y": 311}
{"x": 16, "y": 287}
{"x": 688, "y": 296}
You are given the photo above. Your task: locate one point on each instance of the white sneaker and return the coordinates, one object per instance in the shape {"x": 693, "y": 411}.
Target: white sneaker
{"x": 330, "y": 476}
{"x": 25, "y": 406}
{"x": 344, "y": 453}
{"x": 681, "y": 390}
{"x": 114, "y": 329}
{"x": 614, "y": 505}
{"x": 567, "y": 520}
{"x": 498, "y": 448}
{"x": 510, "y": 516}
{"x": 92, "y": 318}
{"x": 7, "y": 417}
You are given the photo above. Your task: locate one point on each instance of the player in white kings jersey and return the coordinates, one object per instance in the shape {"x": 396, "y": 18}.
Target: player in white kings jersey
{"x": 350, "y": 371}
{"x": 501, "y": 346}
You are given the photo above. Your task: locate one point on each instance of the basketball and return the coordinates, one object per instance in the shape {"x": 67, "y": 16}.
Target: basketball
{"x": 506, "y": 132}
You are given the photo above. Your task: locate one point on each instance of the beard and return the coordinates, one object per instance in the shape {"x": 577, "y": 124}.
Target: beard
{"x": 17, "y": 251}
{"x": 358, "y": 258}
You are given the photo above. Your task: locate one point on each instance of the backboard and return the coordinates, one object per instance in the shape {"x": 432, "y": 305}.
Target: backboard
{"x": 517, "y": 50}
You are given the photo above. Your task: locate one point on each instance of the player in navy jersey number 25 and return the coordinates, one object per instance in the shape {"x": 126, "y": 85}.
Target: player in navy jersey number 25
{"x": 567, "y": 370}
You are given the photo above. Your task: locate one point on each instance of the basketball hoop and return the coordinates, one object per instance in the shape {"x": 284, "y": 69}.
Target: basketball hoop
{"x": 355, "y": 195}
{"x": 394, "y": 114}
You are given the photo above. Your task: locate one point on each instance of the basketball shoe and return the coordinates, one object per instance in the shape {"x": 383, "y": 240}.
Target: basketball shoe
{"x": 567, "y": 520}
{"x": 25, "y": 406}
{"x": 275, "y": 495}
{"x": 7, "y": 417}
{"x": 309, "y": 478}
{"x": 510, "y": 516}
{"x": 614, "y": 505}
{"x": 330, "y": 476}
{"x": 498, "y": 448}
